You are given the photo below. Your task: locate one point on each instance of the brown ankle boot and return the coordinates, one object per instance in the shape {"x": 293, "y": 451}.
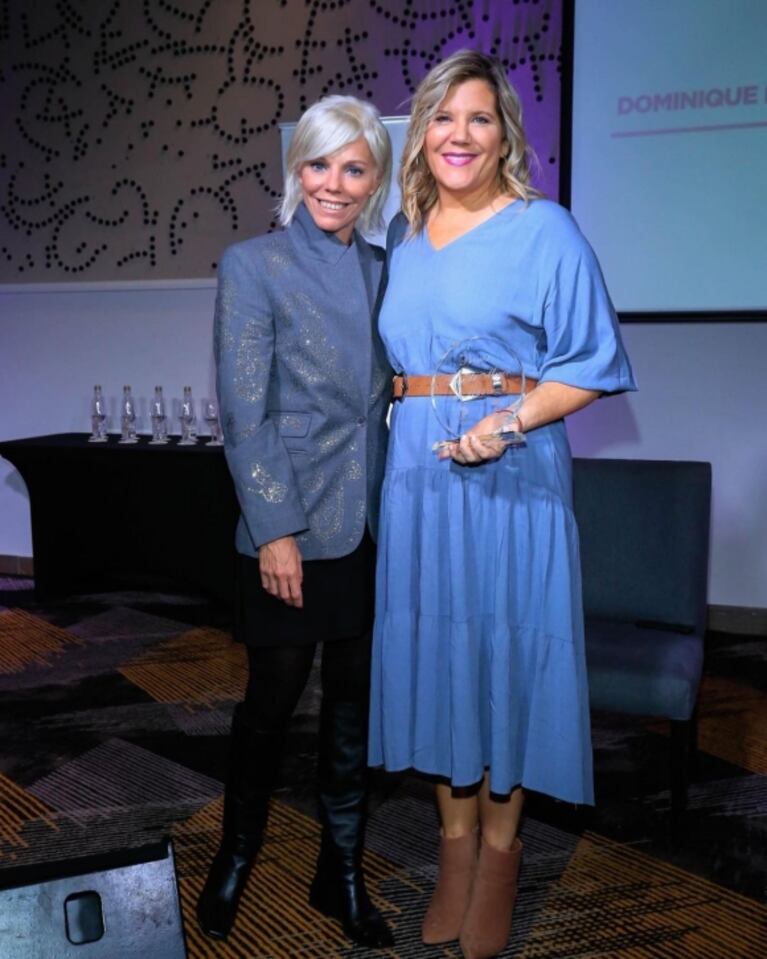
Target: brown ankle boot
{"x": 487, "y": 923}
{"x": 457, "y": 862}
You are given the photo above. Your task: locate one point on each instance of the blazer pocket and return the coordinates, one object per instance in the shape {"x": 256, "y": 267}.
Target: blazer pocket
{"x": 291, "y": 424}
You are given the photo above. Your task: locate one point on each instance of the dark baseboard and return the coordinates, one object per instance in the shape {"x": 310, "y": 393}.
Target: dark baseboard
{"x": 17, "y": 566}
{"x": 742, "y": 620}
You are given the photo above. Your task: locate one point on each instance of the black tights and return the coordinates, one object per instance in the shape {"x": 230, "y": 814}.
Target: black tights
{"x": 278, "y": 674}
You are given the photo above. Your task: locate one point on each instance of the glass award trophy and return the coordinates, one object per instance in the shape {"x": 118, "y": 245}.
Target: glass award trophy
{"x": 474, "y": 378}
{"x": 188, "y": 419}
{"x": 98, "y": 416}
{"x": 159, "y": 419}
{"x": 127, "y": 418}
{"x": 210, "y": 415}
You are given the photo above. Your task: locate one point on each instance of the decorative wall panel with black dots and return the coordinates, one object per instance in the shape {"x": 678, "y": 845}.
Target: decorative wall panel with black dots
{"x": 138, "y": 138}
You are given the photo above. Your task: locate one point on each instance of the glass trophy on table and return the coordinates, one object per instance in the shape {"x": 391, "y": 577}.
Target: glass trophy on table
{"x": 127, "y": 417}
{"x": 188, "y": 419}
{"x": 98, "y": 416}
{"x": 159, "y": 419}
{"x": 474, "y": 378}
{"x": 210, "y": 415}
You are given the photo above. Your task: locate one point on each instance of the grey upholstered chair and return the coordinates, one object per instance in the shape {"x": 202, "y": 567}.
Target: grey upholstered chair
{"x": 644, "y": 529}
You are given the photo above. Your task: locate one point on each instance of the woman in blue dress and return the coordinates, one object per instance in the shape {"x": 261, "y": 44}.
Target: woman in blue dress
{"x": 479, "y": 673}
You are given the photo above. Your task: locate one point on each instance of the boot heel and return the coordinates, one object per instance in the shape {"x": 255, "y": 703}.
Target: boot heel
{"x": 338, "y": 892}
{"x": 220, "y": 897}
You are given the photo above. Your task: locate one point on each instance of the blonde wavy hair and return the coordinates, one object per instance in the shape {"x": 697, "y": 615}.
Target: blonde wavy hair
{"x": 417, "y": 186}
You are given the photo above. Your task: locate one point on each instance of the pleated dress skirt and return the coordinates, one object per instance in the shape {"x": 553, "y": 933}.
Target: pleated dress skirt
{"x": 478, "y": 648}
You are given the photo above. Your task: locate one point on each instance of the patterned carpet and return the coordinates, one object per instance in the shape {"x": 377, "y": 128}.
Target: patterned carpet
{"x": 115, "y": 710}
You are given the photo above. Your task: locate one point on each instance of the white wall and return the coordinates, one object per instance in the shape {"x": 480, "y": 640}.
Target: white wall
{"x": 701, "y": 397}
{"x": 57, "y": 341}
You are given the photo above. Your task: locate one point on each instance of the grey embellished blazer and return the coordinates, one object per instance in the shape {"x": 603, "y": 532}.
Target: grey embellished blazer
{"x": 303, "y": 387}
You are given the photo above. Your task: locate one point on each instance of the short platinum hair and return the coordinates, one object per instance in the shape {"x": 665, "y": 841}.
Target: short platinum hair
{"x": 330, "y": 125}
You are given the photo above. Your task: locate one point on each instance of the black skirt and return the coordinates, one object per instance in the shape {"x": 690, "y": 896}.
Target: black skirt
{"x": 338, "y": 601}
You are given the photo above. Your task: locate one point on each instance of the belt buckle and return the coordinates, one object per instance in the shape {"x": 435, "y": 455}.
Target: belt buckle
{"x": 403, "y": 377}
{"x": 456, "y": 385}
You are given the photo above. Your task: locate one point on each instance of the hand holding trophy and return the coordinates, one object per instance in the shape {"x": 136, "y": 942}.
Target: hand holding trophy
{"x": 479, "y": 379}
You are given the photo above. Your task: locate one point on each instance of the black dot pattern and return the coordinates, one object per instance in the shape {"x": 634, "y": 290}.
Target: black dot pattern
{"x": 139, "y": 139}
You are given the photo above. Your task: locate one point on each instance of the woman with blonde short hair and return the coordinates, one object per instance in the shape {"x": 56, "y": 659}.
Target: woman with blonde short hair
{"x": 302, "y": 387}
{"x": 479, "y": 674}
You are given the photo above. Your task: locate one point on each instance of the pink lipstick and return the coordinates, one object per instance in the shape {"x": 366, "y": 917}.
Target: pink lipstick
{"x": 458, "y": 159}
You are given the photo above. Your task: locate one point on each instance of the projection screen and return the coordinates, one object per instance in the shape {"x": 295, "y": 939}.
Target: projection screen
{"x": 669, "y": 152}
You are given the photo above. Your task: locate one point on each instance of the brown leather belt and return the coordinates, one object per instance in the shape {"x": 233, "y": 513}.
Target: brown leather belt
{"x": 463, "y": 384}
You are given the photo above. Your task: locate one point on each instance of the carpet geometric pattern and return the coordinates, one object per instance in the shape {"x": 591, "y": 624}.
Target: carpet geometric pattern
{"x": 734, "y": 723}
{"x": 200, "y": 668}
{"x": 18, "y": 808}
{"x": 42, "y": 642}
{"x": 114, "y": 717}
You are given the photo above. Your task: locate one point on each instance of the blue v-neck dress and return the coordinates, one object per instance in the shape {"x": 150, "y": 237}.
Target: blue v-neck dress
{"x": 478, "y": 658}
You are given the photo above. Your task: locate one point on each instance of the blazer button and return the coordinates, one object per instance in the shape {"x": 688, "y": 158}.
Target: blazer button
{"x": 360, "y": 421}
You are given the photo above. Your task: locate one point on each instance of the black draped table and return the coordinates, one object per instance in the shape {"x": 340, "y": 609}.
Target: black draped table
{"x": 113, "y": 516}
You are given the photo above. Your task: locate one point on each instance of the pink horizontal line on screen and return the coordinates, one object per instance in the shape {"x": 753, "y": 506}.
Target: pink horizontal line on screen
{"x": 701, "y": 129}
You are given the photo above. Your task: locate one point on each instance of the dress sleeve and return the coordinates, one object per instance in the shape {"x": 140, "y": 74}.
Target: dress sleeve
{"x": 243, "y": 343}
{"x": 583, "y": 340}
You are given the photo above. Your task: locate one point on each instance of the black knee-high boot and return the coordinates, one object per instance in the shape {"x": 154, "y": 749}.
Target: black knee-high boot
{"x": 338, "y": 889}
{"x": 255, "y": 759}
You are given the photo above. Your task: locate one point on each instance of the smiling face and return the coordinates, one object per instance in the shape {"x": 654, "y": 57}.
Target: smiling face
{"x": 464, "y": 142}
{"x": 336, "y": 188}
